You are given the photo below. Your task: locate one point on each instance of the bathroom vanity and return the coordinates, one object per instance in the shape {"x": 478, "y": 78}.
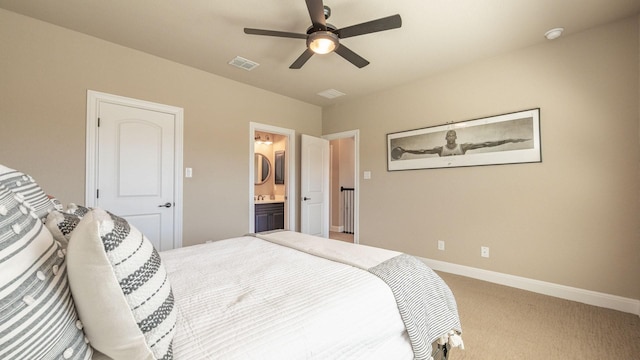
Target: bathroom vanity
{"x": 269, "y": 215}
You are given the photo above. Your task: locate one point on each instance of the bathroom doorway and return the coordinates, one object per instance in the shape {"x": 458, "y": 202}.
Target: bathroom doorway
{"x": 272, "y": 178}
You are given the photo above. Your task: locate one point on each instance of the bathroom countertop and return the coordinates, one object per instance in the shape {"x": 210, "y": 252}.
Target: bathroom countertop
{"x": 268, "y": 201}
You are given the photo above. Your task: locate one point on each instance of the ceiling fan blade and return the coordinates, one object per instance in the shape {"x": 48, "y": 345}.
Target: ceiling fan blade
{"x": 351, "y": 57}
{"x": 274, "y": 33}
{"x": 302, "y": 59}
{"x": 316, "y": 12}
{"x": 386, "y": 23}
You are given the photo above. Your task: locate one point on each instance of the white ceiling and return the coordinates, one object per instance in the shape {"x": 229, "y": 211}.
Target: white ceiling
{"x": 435, "y": 35}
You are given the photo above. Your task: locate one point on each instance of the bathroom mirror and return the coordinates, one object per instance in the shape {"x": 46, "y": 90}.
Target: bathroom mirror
{"x": 262, "y": 169}
{"x": 279, "y": 160}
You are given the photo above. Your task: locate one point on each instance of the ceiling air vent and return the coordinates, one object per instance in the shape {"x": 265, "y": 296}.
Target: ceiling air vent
{"x": 243, "y": 63}
{"x": 331, "y": 93}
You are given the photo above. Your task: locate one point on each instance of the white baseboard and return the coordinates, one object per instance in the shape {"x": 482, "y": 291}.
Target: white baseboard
{"x": 337, "y": 228}
{"x": 561, "y": 291}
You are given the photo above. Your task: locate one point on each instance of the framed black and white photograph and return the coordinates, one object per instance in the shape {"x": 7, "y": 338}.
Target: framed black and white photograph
{"x": 502, "y": 139}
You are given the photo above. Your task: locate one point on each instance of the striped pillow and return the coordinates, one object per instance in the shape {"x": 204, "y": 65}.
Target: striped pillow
{"x": 131, "y": 314}
{"x": 38, "y": 319}
{"x": 25, "y": 186}
{"x": 61, "y": 225}
{"x": 77, "y": 210}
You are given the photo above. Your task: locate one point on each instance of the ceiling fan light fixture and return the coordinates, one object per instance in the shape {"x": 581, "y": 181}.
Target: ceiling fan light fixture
{"x": 322, "y": 42}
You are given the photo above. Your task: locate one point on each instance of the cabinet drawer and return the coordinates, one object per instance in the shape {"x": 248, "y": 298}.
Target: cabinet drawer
{"x": 269, "y": 208}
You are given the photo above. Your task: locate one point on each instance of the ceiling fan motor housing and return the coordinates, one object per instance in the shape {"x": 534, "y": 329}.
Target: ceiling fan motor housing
{"x": 327, "y": 12}
{"x": 330, "y": 27}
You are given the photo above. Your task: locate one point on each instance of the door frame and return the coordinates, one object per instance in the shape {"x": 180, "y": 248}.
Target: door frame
{"x": 94, "y": 98}
{"x": 355, "y": 134}
{"x": 290, "y": 177}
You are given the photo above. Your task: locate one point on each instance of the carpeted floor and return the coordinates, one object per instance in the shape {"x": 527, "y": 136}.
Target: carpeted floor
{"x": 501, "y": 322}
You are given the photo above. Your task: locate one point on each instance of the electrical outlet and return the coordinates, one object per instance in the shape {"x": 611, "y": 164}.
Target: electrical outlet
{"x": 441, "y": 245}
{"x": 484, "y": 251}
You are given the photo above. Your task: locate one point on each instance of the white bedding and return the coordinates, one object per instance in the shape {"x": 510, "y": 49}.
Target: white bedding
{"x": 426, "y": 304}
{"x": 360, "y": 256}
{"x": 245, "y": 298}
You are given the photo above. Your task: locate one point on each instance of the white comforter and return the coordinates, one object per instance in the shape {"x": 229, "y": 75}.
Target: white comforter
{"x": 246, "y": 298}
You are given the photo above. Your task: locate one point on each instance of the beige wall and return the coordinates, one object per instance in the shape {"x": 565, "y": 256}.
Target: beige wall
{"x": 342, "y": 175}
{"x": 45, "y": 72}
{"x": 334, "y": 183}
{"x": 572, "y": 219}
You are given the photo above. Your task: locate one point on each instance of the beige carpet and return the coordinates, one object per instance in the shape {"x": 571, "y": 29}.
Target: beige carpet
{"x": 500, "y": 322}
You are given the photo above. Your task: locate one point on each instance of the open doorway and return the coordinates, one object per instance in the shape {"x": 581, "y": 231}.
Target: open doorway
{"x": 344, "y": 186}
{"x": 271, "y": 178}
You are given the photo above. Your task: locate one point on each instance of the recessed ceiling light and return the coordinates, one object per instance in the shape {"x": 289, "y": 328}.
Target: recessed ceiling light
{"x": 554, "y": 33}
{"x": 331, "y": 93}
{"x": 243, "y": 63}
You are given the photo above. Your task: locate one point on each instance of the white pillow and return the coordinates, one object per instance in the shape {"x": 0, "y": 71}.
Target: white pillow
{"x": 25, "y": 186}
{"x": 57, "y": 205}
{"x": 61, "y": 225}
{"x": 38, "y": 319}
{"x": 121, "y": 289}
{"x": 77, "y": 210}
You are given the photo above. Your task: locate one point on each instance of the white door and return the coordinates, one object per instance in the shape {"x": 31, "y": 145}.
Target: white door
{"x": 135, "y": 169}
{"x": 314, "y": 178}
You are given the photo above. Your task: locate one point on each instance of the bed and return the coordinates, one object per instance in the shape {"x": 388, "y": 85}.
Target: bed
{"x": 92, "y": 286}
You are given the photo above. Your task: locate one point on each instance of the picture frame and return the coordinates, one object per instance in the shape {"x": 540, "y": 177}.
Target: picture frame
{"x": 501, "y": 139}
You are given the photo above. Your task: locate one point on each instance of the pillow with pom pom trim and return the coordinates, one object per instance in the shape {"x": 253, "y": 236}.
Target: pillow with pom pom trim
{"x": 26, "y": 187}
{"x": 131, "y": 315}
{"x": 38, "y": 317}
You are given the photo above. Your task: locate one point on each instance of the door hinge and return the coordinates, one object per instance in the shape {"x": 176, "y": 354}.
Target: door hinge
{"x": 98, "y": 122}
{"x": 97, "y": 193}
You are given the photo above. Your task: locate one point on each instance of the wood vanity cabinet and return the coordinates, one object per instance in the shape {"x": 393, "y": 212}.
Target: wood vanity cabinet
{"x": 269, "y": 216}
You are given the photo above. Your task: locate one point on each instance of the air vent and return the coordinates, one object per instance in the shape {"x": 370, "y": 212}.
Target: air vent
{"x": 243, "y": 63}
{"x": 331, "y": 93}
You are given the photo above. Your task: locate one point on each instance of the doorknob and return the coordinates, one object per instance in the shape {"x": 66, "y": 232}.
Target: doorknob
{"x": 306, "y": 198}
{"x": 167, "y": 205}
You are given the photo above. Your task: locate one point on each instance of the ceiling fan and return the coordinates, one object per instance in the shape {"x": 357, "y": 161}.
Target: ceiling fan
{"x": 323, "y": 38}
